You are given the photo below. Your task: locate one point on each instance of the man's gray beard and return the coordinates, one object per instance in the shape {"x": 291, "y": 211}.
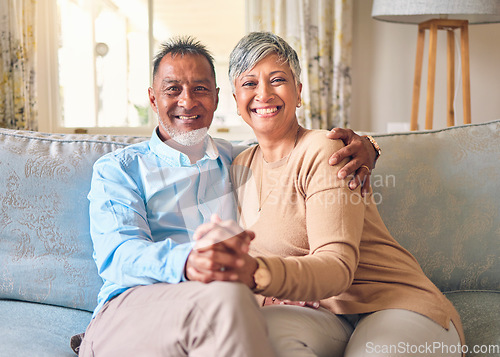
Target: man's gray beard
{"x": 186, "y": 138}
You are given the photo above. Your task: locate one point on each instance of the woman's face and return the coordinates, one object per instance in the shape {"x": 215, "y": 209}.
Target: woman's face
{"x": 267, "y": 96}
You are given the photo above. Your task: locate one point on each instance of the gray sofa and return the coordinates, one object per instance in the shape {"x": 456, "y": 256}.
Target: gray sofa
{"x": 438, "y": 193}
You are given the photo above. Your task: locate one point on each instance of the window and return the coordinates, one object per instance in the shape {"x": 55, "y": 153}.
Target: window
{"x": 94, "y": 69}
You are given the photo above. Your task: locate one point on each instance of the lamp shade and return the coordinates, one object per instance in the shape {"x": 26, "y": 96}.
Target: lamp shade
{"x": 418, "y": 11}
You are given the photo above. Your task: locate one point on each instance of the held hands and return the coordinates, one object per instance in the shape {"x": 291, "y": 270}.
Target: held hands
{"x": 363, "y": 156}
{"x": 221, "y": 253}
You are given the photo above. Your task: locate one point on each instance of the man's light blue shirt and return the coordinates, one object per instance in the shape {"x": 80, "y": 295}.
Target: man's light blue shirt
{"x": 146, "y": 201}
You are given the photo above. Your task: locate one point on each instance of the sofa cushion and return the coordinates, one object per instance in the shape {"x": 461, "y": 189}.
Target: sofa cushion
{"x": 45, "y": 245}
{"x": 439, "y": 195}
{"x": 479, "y": 311}
{"x": 30, "y": 329}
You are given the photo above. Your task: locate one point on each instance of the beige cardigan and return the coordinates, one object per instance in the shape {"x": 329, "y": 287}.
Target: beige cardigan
{"x": 322, "y": 241}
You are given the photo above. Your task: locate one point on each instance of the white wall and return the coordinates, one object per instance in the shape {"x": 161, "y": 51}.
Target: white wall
{"x": 383, "y": 69}
{"x": 382, "y": 73}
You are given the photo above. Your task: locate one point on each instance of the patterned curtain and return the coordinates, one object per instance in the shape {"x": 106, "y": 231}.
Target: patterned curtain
{"x": 321, "y": 32}
{"x": 17, "y": 61}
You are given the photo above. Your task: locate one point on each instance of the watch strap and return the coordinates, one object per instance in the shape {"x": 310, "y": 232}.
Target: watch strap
{"x": 374, "y": 144}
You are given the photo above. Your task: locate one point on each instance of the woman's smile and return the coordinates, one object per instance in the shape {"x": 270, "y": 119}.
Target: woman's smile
{"x": 267, "y": 111}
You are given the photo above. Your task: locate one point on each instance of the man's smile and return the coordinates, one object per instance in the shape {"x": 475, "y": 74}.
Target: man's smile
{"x": 187, "y": 118}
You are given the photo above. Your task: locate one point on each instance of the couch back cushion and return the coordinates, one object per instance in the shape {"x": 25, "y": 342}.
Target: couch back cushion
{"x": 439, "y": 194}
{"x": 45, "y": 245}
{"x": 438, "y": 191}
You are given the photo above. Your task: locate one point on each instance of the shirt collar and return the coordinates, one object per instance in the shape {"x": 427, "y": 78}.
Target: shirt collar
{"x": 177, "y": 158}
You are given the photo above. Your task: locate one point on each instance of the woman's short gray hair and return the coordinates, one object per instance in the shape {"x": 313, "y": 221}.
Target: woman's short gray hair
{"x": 252, "y": 48}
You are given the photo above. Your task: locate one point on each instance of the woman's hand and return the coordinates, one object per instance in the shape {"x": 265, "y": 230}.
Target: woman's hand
{"x": 363, "y": 157}
{"x": 221, "y": 253}
{"x": 275, "y": 301}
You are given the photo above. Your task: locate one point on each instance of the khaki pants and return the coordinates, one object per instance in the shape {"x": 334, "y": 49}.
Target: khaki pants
{"x": 217, "y": 319}
{"x": 299, "y": 332}
{"x": 398, "y": 333}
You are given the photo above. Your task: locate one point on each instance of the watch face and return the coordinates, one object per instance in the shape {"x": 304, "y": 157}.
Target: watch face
{"x": 262, "y": 278}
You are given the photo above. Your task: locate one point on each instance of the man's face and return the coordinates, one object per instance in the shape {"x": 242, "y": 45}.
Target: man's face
{"x": 184, "y": 94}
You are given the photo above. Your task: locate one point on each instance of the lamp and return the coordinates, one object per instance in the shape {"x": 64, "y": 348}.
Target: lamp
{"x": 435, "y": 15}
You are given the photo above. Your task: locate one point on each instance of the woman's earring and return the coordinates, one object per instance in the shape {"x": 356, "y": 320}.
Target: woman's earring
{"x": 238, "y": 112}
{"x": 299, "y": 104}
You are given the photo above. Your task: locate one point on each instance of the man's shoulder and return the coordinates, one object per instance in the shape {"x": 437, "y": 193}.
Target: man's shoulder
{"x": 126, "y": 154}
{"x": 222, "y": 143}
{"x": 225, "y": 148}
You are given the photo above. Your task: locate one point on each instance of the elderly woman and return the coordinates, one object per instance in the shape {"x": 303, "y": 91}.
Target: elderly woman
{"x": 331, "y": 279}
{"x": 317, "y": 240}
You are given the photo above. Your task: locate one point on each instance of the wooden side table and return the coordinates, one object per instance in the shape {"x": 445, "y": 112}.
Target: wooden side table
{"x": 433, "y": 26}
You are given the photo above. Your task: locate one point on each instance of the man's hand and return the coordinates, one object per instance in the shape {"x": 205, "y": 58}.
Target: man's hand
{"x": 362, "y": 154}
{"x": 221, "y": 253}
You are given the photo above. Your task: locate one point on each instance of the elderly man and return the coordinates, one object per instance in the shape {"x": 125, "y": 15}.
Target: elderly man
{"x": 147, "y": 200}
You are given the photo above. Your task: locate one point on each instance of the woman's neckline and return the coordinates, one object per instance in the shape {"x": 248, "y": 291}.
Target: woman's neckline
{"x": 298, "y": 133}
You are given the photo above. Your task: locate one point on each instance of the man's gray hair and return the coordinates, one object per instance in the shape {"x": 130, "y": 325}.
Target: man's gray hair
{"x": 182, "y": 45}
{"x": 252, "y": 48}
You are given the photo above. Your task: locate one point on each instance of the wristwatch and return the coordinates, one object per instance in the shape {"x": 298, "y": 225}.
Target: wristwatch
{"x": 375, "y": 145}
{"x": 261, "y": 277}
